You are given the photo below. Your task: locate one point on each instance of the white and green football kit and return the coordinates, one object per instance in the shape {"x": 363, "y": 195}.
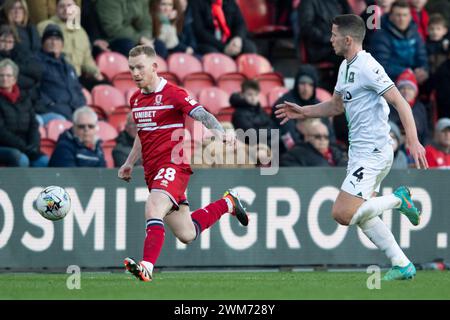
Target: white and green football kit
{"x": 362, "y": 83}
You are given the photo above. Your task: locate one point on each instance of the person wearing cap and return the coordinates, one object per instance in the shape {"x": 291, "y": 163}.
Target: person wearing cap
{"x": 60, "y": 91}
{"x": 407, "y": 85}
{"x": 302, "y": 93}
{"x": 77, "y": 48}
{"x": 438, "y": 152}
{"x": 400, "y": 157}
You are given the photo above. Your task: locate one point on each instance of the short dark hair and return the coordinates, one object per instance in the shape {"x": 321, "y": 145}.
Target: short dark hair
{"x": 351, "y": 25}
{"x": 400, "y": 4}
{"x": 142, "y": 49}
{"x": 435, "y": 18}
{"x": 250, "y": 84}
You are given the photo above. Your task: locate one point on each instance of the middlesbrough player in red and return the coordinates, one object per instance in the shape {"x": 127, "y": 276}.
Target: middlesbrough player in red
{"x": 159, "y": 108}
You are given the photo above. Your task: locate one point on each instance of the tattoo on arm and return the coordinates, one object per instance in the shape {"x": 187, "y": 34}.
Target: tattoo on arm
{"x": 208, "y": 120}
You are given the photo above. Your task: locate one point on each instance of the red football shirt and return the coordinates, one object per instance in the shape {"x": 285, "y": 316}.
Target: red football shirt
{"x": 157, "y": 116}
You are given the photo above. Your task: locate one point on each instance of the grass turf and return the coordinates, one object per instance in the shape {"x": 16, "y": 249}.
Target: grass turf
{"x": 223, "y": 285}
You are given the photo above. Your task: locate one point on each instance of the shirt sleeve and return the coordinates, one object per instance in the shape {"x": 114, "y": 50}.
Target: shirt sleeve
{"x": 375, "y": 78}
{"x": 340, "y": 79}
{"x": 186, "y": 103}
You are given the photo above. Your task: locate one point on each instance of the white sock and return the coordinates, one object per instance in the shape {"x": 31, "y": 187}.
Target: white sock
{"x": 148, "y": 265}
{"x": 374, "y": 207}
{"x": 377, "y": 231}
{"x": 229, "y": 204}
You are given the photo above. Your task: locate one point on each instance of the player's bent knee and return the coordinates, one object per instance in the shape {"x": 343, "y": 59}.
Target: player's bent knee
{"x": 186, "y": 238}
{"x": 341, "y": 217}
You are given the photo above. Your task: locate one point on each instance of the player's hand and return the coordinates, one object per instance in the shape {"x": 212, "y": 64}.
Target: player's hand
{"x": 125, "y": 172}
{"x": 288, "y": 110}
{"x": 418, "y": 152}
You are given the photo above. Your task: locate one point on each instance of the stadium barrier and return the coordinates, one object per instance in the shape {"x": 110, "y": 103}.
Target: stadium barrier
{"x": 290, "y": 222}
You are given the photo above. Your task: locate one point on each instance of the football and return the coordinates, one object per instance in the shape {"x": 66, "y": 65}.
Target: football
{"x": 53, "y": 203}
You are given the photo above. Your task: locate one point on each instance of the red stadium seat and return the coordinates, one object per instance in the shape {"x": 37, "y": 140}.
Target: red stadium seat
{"x": 162, "y": 64}
{"x": 214, "y": 99}
{"x": 106, "y": 131}
{"x": 87, "y": 96}
{"x": 118, "y": 117}
{"x": 275, "y": 94}
{"x": 42, "y": 132}
{"x": 107, "y": 98}
{"x": 47, "y": 146}
{"x": 217, "y": 64}
{"x": 123, "y": 81}
{"x": 225, "y": 114}
{"x": 195, "y": 82}
{"x": 252, "y": 64}
{"x": 56, "y": 127}
{"x": 268, "y": 81}
{"x": 108, "y": 147}
{"x": 231, "y": 82}
{"x": 182, "y": 64}
{"x": 170, "y": 77}
{"x": 322, "y": 94}
{"x": 112, "y": 63}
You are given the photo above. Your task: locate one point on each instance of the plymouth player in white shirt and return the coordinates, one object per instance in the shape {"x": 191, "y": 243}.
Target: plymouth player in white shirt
{"x": 361, "y": 91}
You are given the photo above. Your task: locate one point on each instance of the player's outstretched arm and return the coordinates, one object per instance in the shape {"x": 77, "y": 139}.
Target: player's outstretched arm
{"x": 288, "y": 110}
{"x": 394, "y": 98}
{"x": 210, "y": 122}
{"x": 127, "y": 168}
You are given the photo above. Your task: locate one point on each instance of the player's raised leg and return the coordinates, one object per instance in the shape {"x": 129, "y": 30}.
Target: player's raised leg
{"x": 187, "y": 227}
{"x": 157, "y": 206}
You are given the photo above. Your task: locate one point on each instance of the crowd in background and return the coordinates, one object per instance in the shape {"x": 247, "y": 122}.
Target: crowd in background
{"x": 46, "y": 63}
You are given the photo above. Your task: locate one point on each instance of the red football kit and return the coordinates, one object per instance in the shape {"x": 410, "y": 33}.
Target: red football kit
{"x": 157, "y": 116}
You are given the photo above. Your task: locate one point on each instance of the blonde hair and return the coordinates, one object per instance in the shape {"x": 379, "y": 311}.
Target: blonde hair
{"x": 7, "y": 7}
{"x": 142, "y": 49}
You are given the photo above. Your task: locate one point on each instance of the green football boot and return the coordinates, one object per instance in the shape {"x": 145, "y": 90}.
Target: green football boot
{"x": 407, "y": 207}
{"x": 400, "y": 273}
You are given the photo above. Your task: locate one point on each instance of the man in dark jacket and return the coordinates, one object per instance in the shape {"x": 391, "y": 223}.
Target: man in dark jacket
{"x": 249, "y": 114}
{"x": 316, "y": 151}
{"x": 124, "y": 143}
{"x": 19, "y": 134}
{"x": 441, "y": 81}
{"x": 315, "y": 32}
{"x": 61, "y": 92}
{"x": 220, "y": 27}
{"x": 79, "y": 146}
{"x": 303, "y": 93}
{"x": 398, "y": 45}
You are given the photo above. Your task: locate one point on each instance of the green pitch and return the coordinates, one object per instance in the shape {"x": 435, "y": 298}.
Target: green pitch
{"x": 224, "y": 286}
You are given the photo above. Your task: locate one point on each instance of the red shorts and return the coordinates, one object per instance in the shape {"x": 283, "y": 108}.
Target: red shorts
{"x": 171, "y": 180}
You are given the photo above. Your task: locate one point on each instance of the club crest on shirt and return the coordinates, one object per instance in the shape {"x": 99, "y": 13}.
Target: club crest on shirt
{"x": 158, "y": 100}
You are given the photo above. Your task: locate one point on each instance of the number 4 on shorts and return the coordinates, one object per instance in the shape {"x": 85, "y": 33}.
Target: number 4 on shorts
{"x": 359, "y": 174}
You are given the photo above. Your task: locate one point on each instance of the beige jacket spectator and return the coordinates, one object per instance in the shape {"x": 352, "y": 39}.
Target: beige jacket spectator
{"x": 41, "y": 10}
{"x": 77, "y": 47}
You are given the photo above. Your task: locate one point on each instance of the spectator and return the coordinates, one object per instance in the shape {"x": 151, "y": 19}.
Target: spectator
{"x": 124, "y": 142}
{"x": 441, "y": 82}
{"x": 400, "y": 157}
{"x": 30, "y": 70}
{"x": 127, "y": 23}
{"x": 41, "y": 10}
{"x": 19, "y": 133}
{"x": 248, "y": 111}
{"x": 316, "y": 151}
{"x": 438, "y": 43}
{"x": 187, "y": 36}
{"x": 60, "y": 91}
{"x": 375, "y": 9}
{"x": 167, "y": 18}
{"x": 438, "y": 152}
{"x": 15, "y": 13}
{"x": 420, "y": 17}
{"x": 315, "y": 32}
{"x": 220, "y": 27}
{"x": 407, "y": 85}
{"x": 303, "y": 93}
{"x": 90, "y": 23}
{"x": 79, "y": 146}
{"x": 398, "y": 45}
{"x": 77, "y": 48}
